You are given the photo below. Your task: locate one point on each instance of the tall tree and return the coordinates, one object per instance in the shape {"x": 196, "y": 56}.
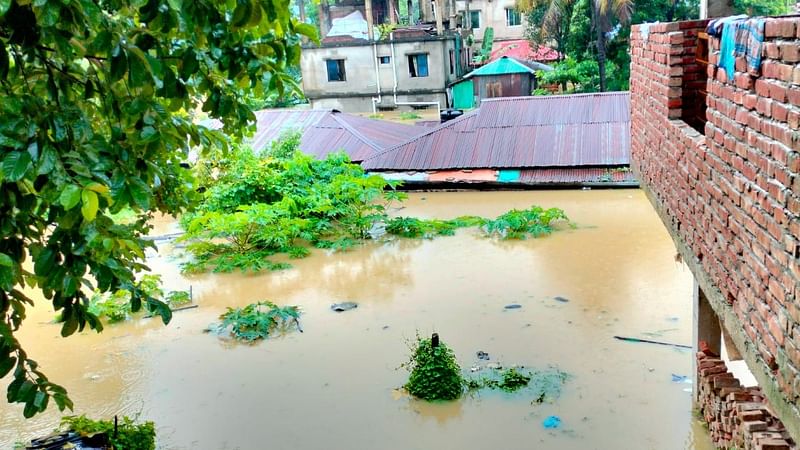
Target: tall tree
{"x": 605, "y": 15}
{"x": 548, "y": 21}
{"x": 93, "y": 120}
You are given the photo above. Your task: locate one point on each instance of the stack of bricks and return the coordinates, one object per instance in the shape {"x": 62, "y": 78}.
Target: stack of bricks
{"x": 731, "y": 192}
{"x": 737, "y": 417}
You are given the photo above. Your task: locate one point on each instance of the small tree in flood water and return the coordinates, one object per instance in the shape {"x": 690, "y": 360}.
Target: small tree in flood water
{"x": 258, "y": 320}
{"x": 435, "y": 373}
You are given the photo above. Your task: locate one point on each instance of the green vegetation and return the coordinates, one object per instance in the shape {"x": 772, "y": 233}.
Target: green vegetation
{"x": 409, "y": 115}
{"x": 521, "y": 224}
{"x": 411, "y": 227}
{"x": 571, "y": 27}
{"x": 762, "y": 7}
{"x": 279, "y": 202}
{"x": 129, "y": 435}
{"x": 435, "y": 373}
{"x": 113, "y": 307}
{"x": 544, "y": 386}
{"x": 96, "y": 116}
{"x": 258, "y": 320}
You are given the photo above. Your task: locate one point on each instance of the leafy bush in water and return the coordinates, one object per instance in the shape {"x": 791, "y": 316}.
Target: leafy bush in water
{"x": 129, "y": 436}
{"x": 435, "y": 373}
{"x": 543, "y": 385}
{"x": 258, "y": 320}
{"x": 411, "y": 227}
{"x": 520, "y": 224}
{"x": 116, "y": 306}
{"x": 262, "y": 205}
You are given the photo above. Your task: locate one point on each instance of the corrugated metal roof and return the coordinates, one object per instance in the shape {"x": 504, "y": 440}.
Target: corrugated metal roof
{"x": 521, "y": 49}
{"x": 506, "y": 65}
{"x": 522, "y": 132}
{"x": 327, "y": 131}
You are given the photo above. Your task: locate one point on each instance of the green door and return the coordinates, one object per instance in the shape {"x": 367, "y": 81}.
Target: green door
{"x": 463, "y": 95}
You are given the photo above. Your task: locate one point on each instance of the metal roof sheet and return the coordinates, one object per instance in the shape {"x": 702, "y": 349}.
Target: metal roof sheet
{"x": 327, "y": 131}
{"x": 521, "y": 49}
{"x": 507, "y": 65}
{"x": 522, "y": 132}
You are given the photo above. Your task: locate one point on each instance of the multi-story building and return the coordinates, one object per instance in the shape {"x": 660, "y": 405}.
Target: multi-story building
{"x": 355, "y": 68}
{"x": 500, "y": 15}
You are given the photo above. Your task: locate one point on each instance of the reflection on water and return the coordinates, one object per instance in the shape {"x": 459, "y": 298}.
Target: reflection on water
{"x": 334, "y": 386}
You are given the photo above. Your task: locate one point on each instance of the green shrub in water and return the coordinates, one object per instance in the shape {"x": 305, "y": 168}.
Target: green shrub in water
{"x": 520, "y": 224}
{"x": 435, "y": 373}
{"x": 258, "y": 320}
{"x": 129, "y": 435}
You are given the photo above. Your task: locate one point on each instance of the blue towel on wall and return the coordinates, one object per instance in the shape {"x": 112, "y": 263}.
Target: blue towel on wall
{"x": 727, "y": 48}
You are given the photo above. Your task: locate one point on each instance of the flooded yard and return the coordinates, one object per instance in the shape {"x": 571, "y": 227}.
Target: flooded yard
{"x": 335, "y": 384}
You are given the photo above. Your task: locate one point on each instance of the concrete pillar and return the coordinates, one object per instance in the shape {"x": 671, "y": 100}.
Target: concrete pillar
{"x": 439, "y": 17}
{"x": 370, "y": 31}
{"x": 425, "y": 11}
{"x": 392, "y": 11}
{"x": 705, "y": 328}
{"x": 716, "y": 8}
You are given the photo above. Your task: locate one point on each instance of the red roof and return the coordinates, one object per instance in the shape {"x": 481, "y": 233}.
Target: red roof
{"x": 327, "y": 131}
{"x": 522, "y": 132}
{"x": 521, "y": 49}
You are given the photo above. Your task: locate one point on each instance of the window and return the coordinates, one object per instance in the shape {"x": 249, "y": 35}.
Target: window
{"x": 452, "y": 61}
{"x": 335, "y": 69}
{"x": 418, "y": 65}
{"x": 513, "y": 18}
{"x": 475, "y": 19}
{"x": 384, "y": 59}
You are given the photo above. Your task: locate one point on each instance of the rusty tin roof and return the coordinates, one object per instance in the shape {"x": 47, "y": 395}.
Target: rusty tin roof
{"x": 522, "y": 132}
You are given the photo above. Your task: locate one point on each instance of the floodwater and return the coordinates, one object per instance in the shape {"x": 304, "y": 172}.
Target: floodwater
{"x": 334, "y": 386}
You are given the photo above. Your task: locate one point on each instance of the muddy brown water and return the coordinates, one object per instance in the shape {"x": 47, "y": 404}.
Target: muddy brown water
{"x": 334, "y": 386}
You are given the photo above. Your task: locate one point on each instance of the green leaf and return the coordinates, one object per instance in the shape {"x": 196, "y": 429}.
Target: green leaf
{"x": 6, "y": 260}
{"x": 4, "y": 6}
{"x": 140, "y": 193}
{"x": 70, "y": 196}
{"x": 69, "y": 327}
{"x": 89, "y": 204}
{"x": 15, "y": 164}
{"x": 3, "y": 57}
{"x": 6, "y": 364}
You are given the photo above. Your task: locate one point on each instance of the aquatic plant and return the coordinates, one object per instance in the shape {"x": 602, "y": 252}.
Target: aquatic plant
{"x": 176, "y": 299}
{"x": 542, "y": 385}
{"x": 258, "y": 320}
{"x": 128, "y": 434}
{"x": 521, "y": 224}
{"x": 435, "y": 373}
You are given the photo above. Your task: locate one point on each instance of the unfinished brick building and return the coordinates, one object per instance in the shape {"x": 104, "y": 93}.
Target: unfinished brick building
{"x": 719, "y": 159}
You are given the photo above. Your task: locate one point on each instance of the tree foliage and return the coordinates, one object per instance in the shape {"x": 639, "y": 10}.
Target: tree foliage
{"x": 762, "y": 7}
{"x": 95, "y": 118}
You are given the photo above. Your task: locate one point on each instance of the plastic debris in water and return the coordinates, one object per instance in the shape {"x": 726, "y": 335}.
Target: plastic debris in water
{"x": 513, "y": 306}
{"x": 558, "y": 298}
{"x": 552, "y": 422}
{"x": 681, "y": 379}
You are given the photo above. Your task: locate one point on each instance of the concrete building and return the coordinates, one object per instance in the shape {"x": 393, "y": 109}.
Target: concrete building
{"x": 409, "y": 69}
{"x": 501, "y": 15}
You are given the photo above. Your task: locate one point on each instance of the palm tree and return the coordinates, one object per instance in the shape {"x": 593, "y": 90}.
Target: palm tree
{"x": 604, "y": 12}
{"x": 555, "y": 22}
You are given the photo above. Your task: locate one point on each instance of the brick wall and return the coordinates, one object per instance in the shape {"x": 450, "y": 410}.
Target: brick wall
{"x": 731, "y": 196}
{"x": 737, "y": 417}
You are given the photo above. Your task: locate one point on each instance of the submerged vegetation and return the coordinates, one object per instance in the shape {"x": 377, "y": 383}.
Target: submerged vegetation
{"x": 113, "y": 307}
{"x": 126, "y": 435}
{"x": 281, "y": 203}
{"x": 435, "y": 373}
{"x": 258, "y": 321}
